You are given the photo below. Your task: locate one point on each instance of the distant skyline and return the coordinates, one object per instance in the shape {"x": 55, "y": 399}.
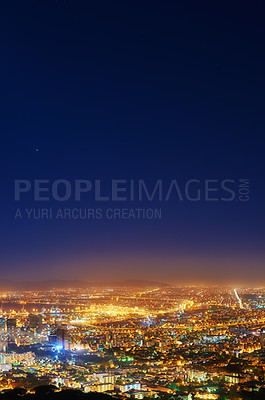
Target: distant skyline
{"x": 201, "y": 270}
{"x": 107, "y": 91}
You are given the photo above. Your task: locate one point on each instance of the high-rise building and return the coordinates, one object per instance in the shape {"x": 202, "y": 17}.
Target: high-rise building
{"x": 11, "y": 324}
{"x": 60, "y": 338}
{"x": 262, "y": 338}
{"x": 2, "y": 324}
{"x": 35, "y": 322}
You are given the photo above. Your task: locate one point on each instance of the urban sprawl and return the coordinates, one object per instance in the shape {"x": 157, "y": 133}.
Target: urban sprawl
{"x": 134, "y": 342}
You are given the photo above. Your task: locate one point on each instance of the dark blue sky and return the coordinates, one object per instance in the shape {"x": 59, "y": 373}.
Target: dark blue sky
{"x": 134, "y": 90}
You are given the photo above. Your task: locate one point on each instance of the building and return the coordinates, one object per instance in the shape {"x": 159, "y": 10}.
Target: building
{"x": 125, "y": 387}
{"x": 104, "y": 378}
{"x": 2, "y": 324}
{"x": 16, "y": 358}
{"x": 60, "y": 338}
{"x": 11, "y": 324}
{"x": 35, "y": 322}
{"x": 5, "y": 367}
{"x": 262, "y": 338}
{"x": 103, "y": 387}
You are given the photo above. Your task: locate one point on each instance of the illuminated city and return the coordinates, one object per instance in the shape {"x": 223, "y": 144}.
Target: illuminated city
{"x": 135, "y": 342}
{"x": 132, "y": 206}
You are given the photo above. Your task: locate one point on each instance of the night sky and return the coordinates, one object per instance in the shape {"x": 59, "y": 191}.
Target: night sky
{"x": 134, "y": 90}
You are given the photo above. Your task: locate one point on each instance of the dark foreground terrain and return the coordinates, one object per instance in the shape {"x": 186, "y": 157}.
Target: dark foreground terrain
{"x": 50, "y": 392}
